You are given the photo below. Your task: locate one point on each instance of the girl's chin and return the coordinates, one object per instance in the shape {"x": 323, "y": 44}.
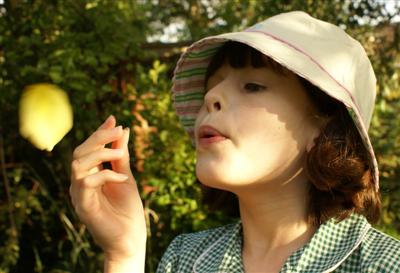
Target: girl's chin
{"x": 214, "y": 182}
{"x": 222, "y": 182}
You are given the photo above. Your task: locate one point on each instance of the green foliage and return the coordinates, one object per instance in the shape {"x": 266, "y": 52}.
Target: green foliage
{"x": 98, "y": 51}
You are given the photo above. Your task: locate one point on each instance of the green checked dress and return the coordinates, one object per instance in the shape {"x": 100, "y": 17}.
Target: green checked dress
{"x": 352, "y": 245}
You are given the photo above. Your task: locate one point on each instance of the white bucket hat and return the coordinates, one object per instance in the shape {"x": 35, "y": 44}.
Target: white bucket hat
{"x": 318, "y": 51}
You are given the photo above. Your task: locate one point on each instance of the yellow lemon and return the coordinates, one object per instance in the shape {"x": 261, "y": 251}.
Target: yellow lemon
{"x": 45, "y": 115}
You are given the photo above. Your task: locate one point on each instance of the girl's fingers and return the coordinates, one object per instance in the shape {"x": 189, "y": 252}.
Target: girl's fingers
{"x": 85, "y": 189}
{"x": 95, "y": 180}
{"x": 97, "y": 140}
{"x": 82, "y": 165}
{"x": 123, "y": 141}
{"x": 108, "y": 123}
{"x": 122, "y": 164}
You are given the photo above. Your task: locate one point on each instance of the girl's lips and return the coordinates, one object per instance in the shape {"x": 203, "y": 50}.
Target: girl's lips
{"x": 208, "y": 131}
{"x": 204, "y": 141}
{"x": 208, "y": 135}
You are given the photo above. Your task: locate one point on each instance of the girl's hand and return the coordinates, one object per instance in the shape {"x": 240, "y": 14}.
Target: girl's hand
{"x": 108, "y": 201}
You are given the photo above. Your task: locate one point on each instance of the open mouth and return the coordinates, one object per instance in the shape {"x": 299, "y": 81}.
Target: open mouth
{"x": 208, "y": 134}
{"x": 206, "y": 131}
{"x": 206, "y": 141}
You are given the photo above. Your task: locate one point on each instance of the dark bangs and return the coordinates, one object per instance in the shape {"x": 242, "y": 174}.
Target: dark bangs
{"x": 239, "y": 55}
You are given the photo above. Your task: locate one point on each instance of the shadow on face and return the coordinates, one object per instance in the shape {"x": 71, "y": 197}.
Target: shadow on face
{"x": 292, "y": 107}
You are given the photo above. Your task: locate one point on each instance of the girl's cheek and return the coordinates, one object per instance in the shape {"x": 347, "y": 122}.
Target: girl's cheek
{"x": 199, "y": 116}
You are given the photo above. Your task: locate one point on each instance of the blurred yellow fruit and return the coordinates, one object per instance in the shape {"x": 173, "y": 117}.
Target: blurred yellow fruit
{"x": 45, "y": 115}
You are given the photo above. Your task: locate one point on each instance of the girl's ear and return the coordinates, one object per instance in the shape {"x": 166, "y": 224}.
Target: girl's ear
{"x": 320, "y": 123}
{"x": 311, "y": 140}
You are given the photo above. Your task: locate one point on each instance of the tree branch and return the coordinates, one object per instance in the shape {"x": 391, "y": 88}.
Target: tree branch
{"x": 10, "y": 203}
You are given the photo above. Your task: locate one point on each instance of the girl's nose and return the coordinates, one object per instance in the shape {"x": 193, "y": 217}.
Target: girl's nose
{"x": 215, "y": 106}
{"x": 213, "y": 102}
{"x": 214, "y": 99}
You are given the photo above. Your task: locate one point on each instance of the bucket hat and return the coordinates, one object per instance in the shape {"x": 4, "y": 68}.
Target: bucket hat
{"x": 318, "y": 51}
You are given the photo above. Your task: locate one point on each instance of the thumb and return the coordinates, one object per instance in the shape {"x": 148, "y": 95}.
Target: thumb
{"x": 122, "y": 165}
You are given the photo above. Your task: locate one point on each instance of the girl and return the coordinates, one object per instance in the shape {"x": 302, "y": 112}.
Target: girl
{"x": 279, "y": 115}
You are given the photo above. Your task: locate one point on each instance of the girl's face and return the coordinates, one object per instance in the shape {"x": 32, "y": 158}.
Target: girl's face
{"x": 268, "y": 122}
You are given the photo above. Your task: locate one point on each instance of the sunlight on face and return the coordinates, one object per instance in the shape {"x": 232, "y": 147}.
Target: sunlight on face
{"x": 266, "y": 119}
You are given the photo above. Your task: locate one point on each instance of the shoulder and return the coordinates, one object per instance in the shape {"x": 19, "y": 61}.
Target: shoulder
{"x": 380, "y": 252}
{"x": 183, "y": 251}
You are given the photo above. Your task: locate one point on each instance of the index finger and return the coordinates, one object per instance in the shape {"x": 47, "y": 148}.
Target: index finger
{"x": 105, "y": 134}
{"x": 108, "y": 123}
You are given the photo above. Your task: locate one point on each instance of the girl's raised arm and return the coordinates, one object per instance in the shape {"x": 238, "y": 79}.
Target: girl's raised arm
{"x": 108, "y": 201}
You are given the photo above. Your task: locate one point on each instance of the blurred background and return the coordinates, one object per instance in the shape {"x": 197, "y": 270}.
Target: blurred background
{"x": 117, "y": 57}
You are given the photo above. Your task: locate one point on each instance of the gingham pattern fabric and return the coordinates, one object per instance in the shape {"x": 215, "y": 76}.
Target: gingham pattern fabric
{"x": 346, "y": 247}
{"x": 189, "y": 75}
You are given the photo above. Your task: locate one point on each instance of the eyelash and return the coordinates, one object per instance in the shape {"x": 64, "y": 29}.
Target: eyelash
{"x": 260, "y": 87}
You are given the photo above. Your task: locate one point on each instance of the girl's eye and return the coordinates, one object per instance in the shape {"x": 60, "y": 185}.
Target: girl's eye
{"x": 254, "y": 87}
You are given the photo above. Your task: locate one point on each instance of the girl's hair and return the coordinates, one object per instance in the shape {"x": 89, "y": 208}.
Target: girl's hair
{"x": 337, "y": 167}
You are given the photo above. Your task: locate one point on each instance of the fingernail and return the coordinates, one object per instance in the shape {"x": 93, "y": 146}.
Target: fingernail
{"x": 118, "y": 151}
{"x": 116, "y": 129}
{"x": 127, "y": 130}
{"x": 108, "y": 119}
{"x": 122, "y": 176}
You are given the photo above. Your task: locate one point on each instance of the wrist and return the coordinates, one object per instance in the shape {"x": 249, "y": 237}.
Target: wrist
{"x": 114, "y": 263}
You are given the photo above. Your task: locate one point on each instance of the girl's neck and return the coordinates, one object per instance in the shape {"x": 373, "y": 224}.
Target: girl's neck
{"x": 274, "y": 219}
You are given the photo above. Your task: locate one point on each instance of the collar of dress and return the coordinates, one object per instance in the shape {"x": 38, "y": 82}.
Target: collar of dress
{"x": 328, "y": 248}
